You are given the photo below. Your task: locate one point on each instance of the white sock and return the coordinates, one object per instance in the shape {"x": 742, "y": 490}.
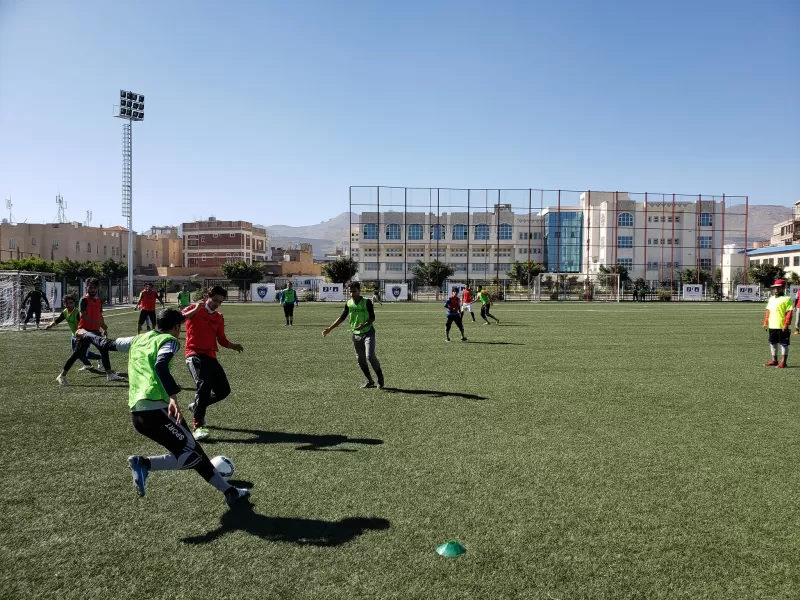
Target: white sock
{"x": 218, "y": 482}
{"x": 165, "y": 462}
{"x": 773, "y": 348}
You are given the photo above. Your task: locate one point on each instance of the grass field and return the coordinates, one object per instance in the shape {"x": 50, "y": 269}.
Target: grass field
{"x": 577, "y": 451}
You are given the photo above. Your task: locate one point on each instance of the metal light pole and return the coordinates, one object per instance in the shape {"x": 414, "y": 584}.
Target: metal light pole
{"x": 131, "y": 108}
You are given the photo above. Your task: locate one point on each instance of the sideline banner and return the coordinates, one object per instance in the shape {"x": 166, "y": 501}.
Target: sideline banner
{"x": 395, "y": 292}
{"x": 748, "y": 292}
{"x": 330, "y": 292}
{"x": 262, "y": 292}
{"x": 693, "y": 291}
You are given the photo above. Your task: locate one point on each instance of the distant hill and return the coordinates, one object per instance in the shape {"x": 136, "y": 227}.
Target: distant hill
{"x": 328, "y": 235}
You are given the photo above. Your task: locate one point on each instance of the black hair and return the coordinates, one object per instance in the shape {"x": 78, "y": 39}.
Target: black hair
{"x": 93, "y": 281}
{"x": 218, "y": 290}
{"x": 354, "y": 284}
{"x": 169, "y": 318}
{"x": 68, "y": 297}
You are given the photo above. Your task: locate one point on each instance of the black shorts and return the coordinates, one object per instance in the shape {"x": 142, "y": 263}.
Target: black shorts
{"x": 288, "y": 309}
{"x": 780, "y": 336}
{"x": 146, "y": 315}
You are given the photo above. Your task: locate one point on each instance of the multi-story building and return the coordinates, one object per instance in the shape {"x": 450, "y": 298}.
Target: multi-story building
{"x": 787, "y": 232}
{"x": 56, "y": 241}
{"x": 296, "y": 260}
{"x": 654, "y": 240}
{"x": 213, "y": 243}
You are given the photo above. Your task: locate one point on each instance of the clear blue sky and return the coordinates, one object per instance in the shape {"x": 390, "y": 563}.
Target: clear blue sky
{"x": 270, "y": 110}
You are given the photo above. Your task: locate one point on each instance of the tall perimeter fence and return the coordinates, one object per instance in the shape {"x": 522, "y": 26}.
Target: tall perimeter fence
{"x": 664, "y": 246}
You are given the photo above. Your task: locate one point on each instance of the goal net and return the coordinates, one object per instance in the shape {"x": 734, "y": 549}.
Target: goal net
{"x": 576, "y": 287}
{"x": 14, "y": 288}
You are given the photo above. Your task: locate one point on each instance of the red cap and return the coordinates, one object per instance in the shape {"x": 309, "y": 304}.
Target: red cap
{"x": 779, "y": 283}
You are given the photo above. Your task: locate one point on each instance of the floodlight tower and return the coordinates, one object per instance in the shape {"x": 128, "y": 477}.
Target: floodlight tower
{"x": 131, "y": 108}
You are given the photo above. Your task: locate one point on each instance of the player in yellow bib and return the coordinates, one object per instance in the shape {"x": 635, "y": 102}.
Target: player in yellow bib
{"x": 486, "y": 302}
{"x": 777, "y": 322}
{"x": 360, "y": 313}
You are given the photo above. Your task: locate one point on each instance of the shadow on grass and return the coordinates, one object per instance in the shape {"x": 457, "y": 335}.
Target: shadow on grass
{"x": 308, "y": 441}
{"x": 433, "y": 393}
{"x": 303, "y": 532}
{"x": 496, "y": 343}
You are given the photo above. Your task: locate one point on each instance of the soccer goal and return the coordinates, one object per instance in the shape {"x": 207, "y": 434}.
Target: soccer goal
{"x": 576, "y": 287}
{"x": 14, "y": 287}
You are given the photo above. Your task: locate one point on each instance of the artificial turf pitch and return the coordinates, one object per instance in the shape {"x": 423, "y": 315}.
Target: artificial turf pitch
{"x": 576, "y": 450}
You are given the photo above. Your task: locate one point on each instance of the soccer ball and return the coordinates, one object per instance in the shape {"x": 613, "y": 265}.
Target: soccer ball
{"x": 223, "y": 465}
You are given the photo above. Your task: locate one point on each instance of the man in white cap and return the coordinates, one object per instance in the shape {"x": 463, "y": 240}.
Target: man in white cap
{"x": 777, "y": 322}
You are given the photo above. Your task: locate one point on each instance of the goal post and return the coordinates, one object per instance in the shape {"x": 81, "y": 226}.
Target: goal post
{"x": 576, "y": 287}
{"x": 14, "y": 287}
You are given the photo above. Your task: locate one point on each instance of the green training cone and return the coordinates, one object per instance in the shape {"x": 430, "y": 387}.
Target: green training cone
{"x": 451, "y": 549}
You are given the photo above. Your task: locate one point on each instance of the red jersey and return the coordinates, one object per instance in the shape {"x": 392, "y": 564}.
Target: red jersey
{"x": 467, "y": 296}
{"x": 203, "y": 330}
{"x": 147, "y": 300}
{"x": 91, "y": 313}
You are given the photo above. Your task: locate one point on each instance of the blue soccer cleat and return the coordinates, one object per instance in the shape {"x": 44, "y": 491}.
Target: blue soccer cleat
{"x": 140, "y": 472}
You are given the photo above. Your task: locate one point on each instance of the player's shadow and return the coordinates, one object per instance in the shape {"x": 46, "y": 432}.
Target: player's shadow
{"x": 434, "y": 393}
{"x": 496, "y": 343}
{"x": 293, "y": 530}
{"x": 307, "y": 441}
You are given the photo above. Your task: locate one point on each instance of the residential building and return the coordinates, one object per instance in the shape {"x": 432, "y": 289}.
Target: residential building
{"x": 297, "y": 260}
{"x": 213, "y": 243}
{"x": 787, "y": 232}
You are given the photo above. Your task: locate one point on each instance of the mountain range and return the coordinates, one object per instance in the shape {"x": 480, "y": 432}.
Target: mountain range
{"x": 334, "y": 233}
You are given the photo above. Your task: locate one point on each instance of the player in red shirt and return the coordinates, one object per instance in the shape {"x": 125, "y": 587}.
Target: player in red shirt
{"x": 466, "y": 306}
{"x": 91, "y": 319}
{"x": 147, "y": 302}
{"x": 796, "y": 313}
{"x": 205, "y": 326}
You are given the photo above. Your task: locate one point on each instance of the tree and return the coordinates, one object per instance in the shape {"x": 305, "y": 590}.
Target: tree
{"x": 69, "y": 269}
{"x": 341, "y": 270}
{"x": 794, "y": 278}
{"x": 241, "y": 273}
{"x": 618, "y": 269}
{"x": 434, "y": 273}
{"x": 36, "y": 265}
{"x": 691, "y": 276}
{"x": 524, "y": 272}
{"x": 111, "y": 269}
{"x": 764, "y": 274}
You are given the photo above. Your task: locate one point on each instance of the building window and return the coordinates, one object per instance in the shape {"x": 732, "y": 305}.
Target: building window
{"x": 203, "y": 258}
{"x": 371, "y": 231}
{"x": 459, "y": 267}
{"x": 481, "y": 232}
{"x": 536, "y": 235}
{"x": 796, "y": 261}
{"x": 705, "y": 241}
{"x": 77, "y": 246}
{"x": 88, "y": 246}
{"x": 459, "y": 232}
{"x": 506, "y": 232}
{"x": 371, "y": 266}
{"x": 706, "y": 219}
{"x": 523, "y": 236}
{"x": 214, "y": 235}
{"x": 481, "y": 267}
{"x": 415, "y": 232}
{"x": 705, "y": 263}
{"x": 233, "y": 235}
{"x": 394, "y": 266}
{"x": 393, "y": 231}
{"x": 33, "y": 241}
{"x": 105, "y": 250}
{"x": 202, "y": 238}
{"x": 12, "y": 244}
{"x": 437, "y": 232}
{"x": 55, "y": 244}
{"x": 625, "y": 262}
{"x": 625, "y": 220}
{"x": 624, "y": 241}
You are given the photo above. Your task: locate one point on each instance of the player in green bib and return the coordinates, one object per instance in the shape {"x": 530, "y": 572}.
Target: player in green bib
{"x": 360, "y": 314}
{"x": 153, "y": 401}
{"x": 71, "y": 316}
{"x": 777, "y": 322}
{"x": 184, "y": 298}
{"x": 288, "y": 300}
{"x": 486, "y": 302}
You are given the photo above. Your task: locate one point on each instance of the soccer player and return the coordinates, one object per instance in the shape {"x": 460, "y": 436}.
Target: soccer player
{"x": 147, "y": 302}
{"x": 288, "y": 299}
{"x": 35, "y": 297}
{"x": 361, "y": 315}
{"x": 90, "y": 311}
{"x": 376, "y": 296}
{"x": 70, "y": 315}
{"x": 153, "y": 400}
{"x": 184, "y": 298}
{"x": 205, "y": 326}
{"x": 467, "y": 303}
{"x": 777, "y": 322}
{"x": 486, "y": 302}
{"x": 453, "y": 306}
